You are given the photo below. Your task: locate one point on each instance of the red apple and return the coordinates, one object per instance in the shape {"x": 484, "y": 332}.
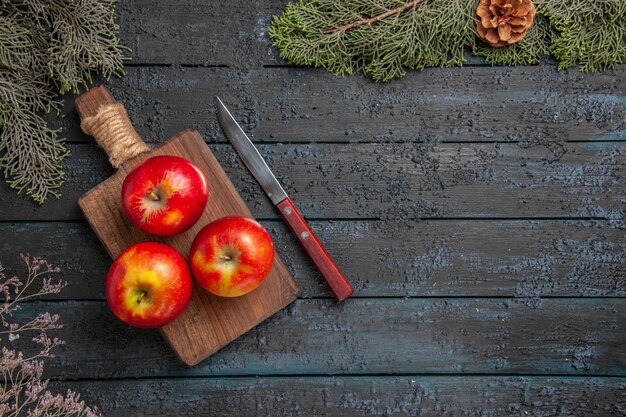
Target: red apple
{"x": 165, "y": 195}
{"x": 231, "y": 256}
{"x": 148, "y": 285}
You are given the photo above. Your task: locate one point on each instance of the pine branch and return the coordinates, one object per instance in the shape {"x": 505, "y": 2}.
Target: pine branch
{"x": 588, "y": 34}
{"x": 375, "y": 19}
{"x": 434, "y": 34}
{"x": 47, "y": 48}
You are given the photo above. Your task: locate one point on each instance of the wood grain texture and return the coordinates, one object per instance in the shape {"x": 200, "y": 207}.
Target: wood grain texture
{"x": 209, "y": 322}
{"x": 88, "y": 104}
{"x": 220, "y": 33}
{"x": 397, "y": 181}
{"x": 526, "y": 259}
{"x": 535, "y": 106}
{"x": 348, "y": 396}
{"x": 364, "y": 336}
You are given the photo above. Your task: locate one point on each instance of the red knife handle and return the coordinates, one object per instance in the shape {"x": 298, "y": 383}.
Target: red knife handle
{"x": 337, "y": 282}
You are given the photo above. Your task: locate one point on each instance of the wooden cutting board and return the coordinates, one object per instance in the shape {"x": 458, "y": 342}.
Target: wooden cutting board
{"x": 209, "y": 322}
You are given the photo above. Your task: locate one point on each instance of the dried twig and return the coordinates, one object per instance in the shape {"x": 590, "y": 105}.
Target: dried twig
{"x": 369, "y": 21}
{"x": 23, "y": 390}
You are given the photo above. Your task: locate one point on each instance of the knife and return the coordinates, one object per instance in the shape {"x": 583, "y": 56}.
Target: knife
{"x": 255, "y": 163}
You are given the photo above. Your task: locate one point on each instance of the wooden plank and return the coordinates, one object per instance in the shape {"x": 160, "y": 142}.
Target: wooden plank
{"x": 363, "y": 336}
{"x": 531, "y": 105}
{"x": 522, "y": 259}
{"x": 350, "y": 396}
{"x": 396, "y": 182}
{"x": 196, "y": 32}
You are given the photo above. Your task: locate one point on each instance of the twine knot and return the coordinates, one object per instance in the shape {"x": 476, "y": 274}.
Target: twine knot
{"x": 114, "y": 133}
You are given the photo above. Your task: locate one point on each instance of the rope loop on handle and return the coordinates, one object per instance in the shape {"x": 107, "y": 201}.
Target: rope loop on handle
{"x": 114, "y": 133}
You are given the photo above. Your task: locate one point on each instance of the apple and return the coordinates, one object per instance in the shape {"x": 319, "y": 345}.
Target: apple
{"x": 165, "y": 195}
{"x": 231, "y": 256}
{"x": 148, "y": 285}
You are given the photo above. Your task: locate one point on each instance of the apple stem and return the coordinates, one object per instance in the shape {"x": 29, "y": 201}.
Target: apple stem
{"x": 143, "y": 294}
{"x": 225, "y": 258}
{"x": 153, "y": 196}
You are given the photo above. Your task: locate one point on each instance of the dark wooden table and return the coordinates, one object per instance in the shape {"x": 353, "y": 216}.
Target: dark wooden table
{"x": 479, "y": 211}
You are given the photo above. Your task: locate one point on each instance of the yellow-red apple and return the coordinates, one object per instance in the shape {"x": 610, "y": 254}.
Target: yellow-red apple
{"x": 148, "y": 285}
{"x": 231, "y": 256}
{"x": 165, "y": 195}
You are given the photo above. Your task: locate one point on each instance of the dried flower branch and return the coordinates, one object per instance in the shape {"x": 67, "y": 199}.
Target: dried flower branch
{"x": 23, "y": 392}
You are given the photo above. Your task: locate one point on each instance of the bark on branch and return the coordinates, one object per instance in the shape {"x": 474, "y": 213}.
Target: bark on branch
{"x": 369, "y": 21}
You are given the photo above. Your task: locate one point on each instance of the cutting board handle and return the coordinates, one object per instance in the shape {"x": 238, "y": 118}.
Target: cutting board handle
{"x": 107, "y": 121}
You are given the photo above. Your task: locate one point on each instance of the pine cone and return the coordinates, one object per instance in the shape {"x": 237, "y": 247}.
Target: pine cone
{"x": 504, "y": 22}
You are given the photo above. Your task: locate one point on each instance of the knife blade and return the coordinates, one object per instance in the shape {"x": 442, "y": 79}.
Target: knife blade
{"x": 255, "y": 163}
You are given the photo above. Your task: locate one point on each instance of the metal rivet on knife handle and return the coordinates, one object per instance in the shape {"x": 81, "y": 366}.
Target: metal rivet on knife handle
{"x": 331, "y": 273}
